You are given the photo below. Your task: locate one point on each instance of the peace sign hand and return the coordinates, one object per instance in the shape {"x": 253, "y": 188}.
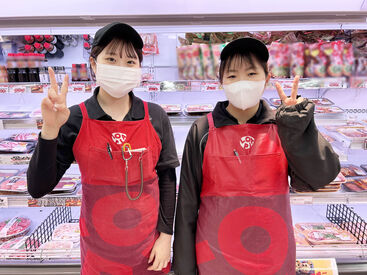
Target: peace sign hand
{"x": 54, "y": 110}
{"x": 292, "y": 100}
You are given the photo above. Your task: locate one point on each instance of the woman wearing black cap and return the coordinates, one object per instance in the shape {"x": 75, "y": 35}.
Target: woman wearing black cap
{"x": 127, "y": 157}
{"x": 233, "y": 213}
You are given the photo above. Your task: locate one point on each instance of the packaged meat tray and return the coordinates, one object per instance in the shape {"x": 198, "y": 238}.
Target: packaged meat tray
{"x": 328, "y": 110}
{"x": 25, "y": 137}
{"x": 16, "y": 184}
{"x": 67, "y": 184}
{"x": 67, "y": 232}
{"x": 318, "y": 101}
{"x": 16, "y": 226}
{"x": 14, "y": 115}
{"x": 354, "y": 134}
{"x": 300, "y": 238}
{"x": 364, "y": 166}
{"x": 8, "y": 172}
{"x": 14, "y": 248}
{"x": 317, "y": 237}
{"x": 54, "y": 249}
{"x": 315, "y": 226}
{"x": 199, "y": 109}
{"x": 7, "y": 146}
{"x": 356, "y": 185}
{"x": 171, "y": 108}
{"x": 350, "y": 170}
{"x": 339, "y": 179}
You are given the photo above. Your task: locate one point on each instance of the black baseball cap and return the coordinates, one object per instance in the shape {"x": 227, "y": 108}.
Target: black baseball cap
{"x": 245, "y": 45}
{"x": 116, "y": 29}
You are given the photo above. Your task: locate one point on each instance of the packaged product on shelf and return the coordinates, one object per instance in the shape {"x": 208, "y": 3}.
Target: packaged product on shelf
{"x": 207, "y": 62}
{"x": 189, "y": 72}
{"x": 279, "y": 60}
{"x": 339, "y": 179}
{"x": 14, "y": 248}
{"x": 348, "y": 59}
{"x": 353, "y": 134}
{"x": 317, "y": 101}
{"x": 25, "y": 137}
{"x": 315, "y": 60}
{"x": 12, "y": 68}
{"x": 197, "y": 109}
{"x": 328, "y": 110}
{"x": 339, "y": 236}
{"x": 13, "y": 115}
{"x": 14, "y": 184}
{"x": 7, "y": 146}
{"x": 316, "y": 267}
{"x": 8, "y": 172}
{"x": 67, "y": 232}
{"x": 36, "y": 114}
{"x": 181, "y": 61}
{"x": 53, "y": 39}
{"x": 3, "y": 74}
{"x": 14, "y": 227}
{"x": 197, "y": 62}
{"x": 350, "y": 170}
{"x": 53, "y": 249}
{"x": 150, "y": 43}
{"x": 216, "y": 50}
{"x": 315, "y": 226}
{"x": 67, "y": 184}
{"x": 171, "y": 108}
{"x": 52, "y": 50}
{"x": 300, "y": 238}
{"x": 297, "y": 59}
{"x": 356, "y": 185}
{"x": 334, "y": 52}
{"x": 364, "y": 166}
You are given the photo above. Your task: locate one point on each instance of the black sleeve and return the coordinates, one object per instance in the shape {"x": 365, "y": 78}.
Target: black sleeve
{"x": 184, "y": 254}
{"x": 52, "y": 158}
{"x": 167, "y": 197}
{"x": 311, "y": 159}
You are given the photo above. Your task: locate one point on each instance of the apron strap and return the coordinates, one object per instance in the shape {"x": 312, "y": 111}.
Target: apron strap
{"x": 146, "y": 110}
{"x": 84, "y": 110}
{"x": 210, "y": 121}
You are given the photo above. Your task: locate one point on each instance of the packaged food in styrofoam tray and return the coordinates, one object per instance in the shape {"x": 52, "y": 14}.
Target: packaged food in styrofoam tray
{"x": 14, "y": 248}
{"x": 356, "y": 185}
{"x": 67, "y": 232}
{"x": 317, "y": 237}
{"x": 171, "y": 108}
{"x": 68, "y": 183}
{"x": 350, "y": 170}
{"x": 16, "y": 184}
{"x": 14, "y": 115}
{"x": 199, "y": 108}
{"x": 309, "y": 226}
{"x": 53, "y": 249}
{"x": 7, "y": 146}
{"x": 318, "y": 101}
{"x": 24, "y": 137}
{"x": 328, "y": 110}
{"x": 10, "y": 228}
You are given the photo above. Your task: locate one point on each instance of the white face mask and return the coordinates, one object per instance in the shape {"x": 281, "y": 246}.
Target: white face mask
{"x": 244, "y": 94}
{"x": 117, "y": 81}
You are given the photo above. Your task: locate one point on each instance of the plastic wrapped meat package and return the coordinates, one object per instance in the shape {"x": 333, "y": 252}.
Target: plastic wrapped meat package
{"x": 14, "y": 227}
{"x": 171, "y": 108}
{"x": 14, "y": 248}
{"x": 15, "y": 184}
{"x": 67, "y": 232}
{"x": 356, "y": 185}
{"x": 7, "y": 146}
{"x": 349, "y": 170}
{"x": 198, "y": 109}
{"x": 25, "y": 137}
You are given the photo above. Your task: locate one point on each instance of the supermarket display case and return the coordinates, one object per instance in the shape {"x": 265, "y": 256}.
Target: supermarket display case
{"x": 33, "y": 226}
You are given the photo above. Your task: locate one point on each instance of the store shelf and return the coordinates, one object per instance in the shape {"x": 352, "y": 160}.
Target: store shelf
{"x": 325, "y": 198}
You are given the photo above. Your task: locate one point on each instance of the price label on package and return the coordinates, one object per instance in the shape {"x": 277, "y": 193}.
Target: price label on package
{"x": 210, "y": 86}
{"x": 4, "y": 89}
{"x": 18, "y": 89}
{"x": 153, "y": 87}
{"x": 77, "y": 88}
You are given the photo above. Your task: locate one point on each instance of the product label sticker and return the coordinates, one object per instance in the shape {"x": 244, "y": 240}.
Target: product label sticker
{"x": 17, "y": 89}
{"x": 4, "y": 89}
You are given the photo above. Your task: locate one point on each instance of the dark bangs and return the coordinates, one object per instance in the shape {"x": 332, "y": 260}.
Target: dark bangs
{"x": 119, "y": 46}
{"x": 238, "y": 59}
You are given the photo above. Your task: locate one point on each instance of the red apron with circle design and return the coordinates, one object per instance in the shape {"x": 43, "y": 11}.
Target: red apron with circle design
{"x": 245, "y": 224}
{"x": 117, "y": 234}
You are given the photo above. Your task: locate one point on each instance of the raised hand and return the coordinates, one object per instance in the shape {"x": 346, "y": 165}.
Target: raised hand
{"x": 54, "y": 110}
{"x": 292, "y": 100}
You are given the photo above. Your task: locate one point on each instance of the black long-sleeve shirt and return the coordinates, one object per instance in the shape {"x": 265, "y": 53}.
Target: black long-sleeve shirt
{"x": 56, "y": 156}
{"x": 311, "y": 160}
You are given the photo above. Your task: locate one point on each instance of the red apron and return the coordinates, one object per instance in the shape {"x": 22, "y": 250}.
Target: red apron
{"x": 117, "y": 233}
{"x": 245, "y": 224}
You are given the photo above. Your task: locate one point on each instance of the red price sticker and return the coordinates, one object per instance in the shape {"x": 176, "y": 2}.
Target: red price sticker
{"x": 77, "y": 88}
{"x": 4, "y": 89}
{"x": 18, "y": 89}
